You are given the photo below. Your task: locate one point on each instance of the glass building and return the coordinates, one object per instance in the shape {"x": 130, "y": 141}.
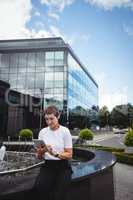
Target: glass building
{"x": 39, "y": 72}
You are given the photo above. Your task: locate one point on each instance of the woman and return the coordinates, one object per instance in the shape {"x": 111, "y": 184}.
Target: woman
{"x": 56, "y": 173}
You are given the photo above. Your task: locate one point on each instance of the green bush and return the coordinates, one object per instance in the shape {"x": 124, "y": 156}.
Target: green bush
{"x": 86, "y": 134}
{"x": 99, "y": 147}
{"x": 26, "y": 133}
{"x": 128, "y": 141}
{"x": 124, "y": 157}
{"x": 111, "y": 149}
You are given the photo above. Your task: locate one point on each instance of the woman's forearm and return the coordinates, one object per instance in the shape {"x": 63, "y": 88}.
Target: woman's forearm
{"x": 65, "y": 155}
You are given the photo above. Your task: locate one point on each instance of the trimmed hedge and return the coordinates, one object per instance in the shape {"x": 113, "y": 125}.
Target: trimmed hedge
{"x": 26, "y": 133}
{"x": 124, "y": 157}
{"x": 128, "y": 141}
{"x": 86, "y": 134}
{"x": 99, "y": 147}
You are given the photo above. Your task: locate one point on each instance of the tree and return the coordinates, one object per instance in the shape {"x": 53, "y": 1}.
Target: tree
{"x": 130, "y": 115}
{"x": 104, "y": 116}
{"x": 119, "y": 116}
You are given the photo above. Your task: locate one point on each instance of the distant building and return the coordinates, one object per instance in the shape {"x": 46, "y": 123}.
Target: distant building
{"x": 41, "y": 72}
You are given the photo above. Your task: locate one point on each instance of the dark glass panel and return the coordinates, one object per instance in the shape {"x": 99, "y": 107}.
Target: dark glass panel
{"x": 31, "y": 60}
{"x": 23, "y": 59}
{"x": 40, "y": 59}
{"x": 4, "y": 60}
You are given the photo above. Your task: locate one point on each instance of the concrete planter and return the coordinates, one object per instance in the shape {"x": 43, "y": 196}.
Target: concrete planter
{"x": 128, "y": 149}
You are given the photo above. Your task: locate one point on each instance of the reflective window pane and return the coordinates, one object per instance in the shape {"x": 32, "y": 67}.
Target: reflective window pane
{"x": 31, "y": 59}
{"x": 30, "y": 80}
{"x": 49, "y": 62}
{"x": 13, "y": 70}
{"x": 14, "y": 59}
{"x": 39, "y": 80}
{"x": 49, "y": 55}
{"x": 23, "y": 59}
{"x": 4, "y": 77}
{"x": 40, "y": 59}
{"x": 49, "y": 80}
{"x": 4, "y": 70}
{"x": 4, "y": 60}
{"x": 59, "y": 55}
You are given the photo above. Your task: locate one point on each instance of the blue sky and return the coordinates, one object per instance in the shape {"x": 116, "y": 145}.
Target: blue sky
{"x": 99, "y": 31}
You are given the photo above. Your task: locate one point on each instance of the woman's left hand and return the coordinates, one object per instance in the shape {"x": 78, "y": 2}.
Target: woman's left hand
{"x": 49, "y": 149}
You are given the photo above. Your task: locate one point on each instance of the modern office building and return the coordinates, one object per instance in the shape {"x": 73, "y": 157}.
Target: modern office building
{"x": 39, "y": 72}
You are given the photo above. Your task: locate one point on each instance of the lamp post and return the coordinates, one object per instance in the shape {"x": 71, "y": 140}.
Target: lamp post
{"x": 107, "y": 120}
{"x": 41, "y": 107}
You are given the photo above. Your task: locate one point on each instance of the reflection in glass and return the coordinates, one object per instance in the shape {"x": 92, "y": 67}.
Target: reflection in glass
{"x": 14, "y": 60}
{"x": 39, "y": 80}
{"x": 49, "y": 55}
{"x": 31, "y": 59}
{"x": 48, "y": 63}
{"x": 4, "y": 60}
{"x": 40, "y": 59}
{"x": 13, "y": 69}
{"x": 49, "y": 80}
{"x": 23, "y": 59}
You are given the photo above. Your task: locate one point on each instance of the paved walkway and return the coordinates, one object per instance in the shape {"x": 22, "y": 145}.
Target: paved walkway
{"x": 123, "y": 179}
{"x": 123, "y": 175}
{"x": 97, "y": 138}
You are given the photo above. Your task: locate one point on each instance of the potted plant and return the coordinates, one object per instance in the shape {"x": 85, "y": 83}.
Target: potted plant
{"x": 86, "y": 134}
{"x": 128, "y": 141}
{"x": 26, "y": 134}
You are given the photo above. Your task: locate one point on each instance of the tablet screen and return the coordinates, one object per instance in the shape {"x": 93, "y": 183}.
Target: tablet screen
{"x": 39, "y": 143}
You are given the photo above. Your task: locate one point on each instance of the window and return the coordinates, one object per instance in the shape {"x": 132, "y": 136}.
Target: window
{"x": 31, "y": 59}
{"x": 40, "y": 59}
{"x": 49, "y": 80}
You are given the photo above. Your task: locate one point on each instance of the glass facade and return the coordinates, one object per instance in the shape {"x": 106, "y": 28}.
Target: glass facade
{"x": 81, "y": 89}
{"x": 82, "y": 92}
{"x": 40, "y": 77}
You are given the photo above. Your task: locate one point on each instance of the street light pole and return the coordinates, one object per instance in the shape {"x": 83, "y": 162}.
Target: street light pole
{"x": 41, "y": 107}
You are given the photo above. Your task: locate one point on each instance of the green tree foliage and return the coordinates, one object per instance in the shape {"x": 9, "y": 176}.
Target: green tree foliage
{"x": 122, "y": 116}
{"x": 104, "y": 116}
{"x": 130, "y": 115}
{"x": 78, "y": 121}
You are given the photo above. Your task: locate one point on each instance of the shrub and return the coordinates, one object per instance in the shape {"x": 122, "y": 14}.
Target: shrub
{"x": 86, "y": 134}
{"x": 26, "y": 133}
{"x": 128, "y": 141}
{"x": 124, "y": 157}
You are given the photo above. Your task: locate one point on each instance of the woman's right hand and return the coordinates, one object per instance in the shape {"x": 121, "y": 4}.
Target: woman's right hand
{"x": 40, "y": 151}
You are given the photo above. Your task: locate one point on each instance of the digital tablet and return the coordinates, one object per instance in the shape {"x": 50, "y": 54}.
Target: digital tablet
{"x": 39, "y": 143}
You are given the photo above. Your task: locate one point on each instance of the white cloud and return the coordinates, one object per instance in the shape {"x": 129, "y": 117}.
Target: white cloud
{"x": 53, "y": 15}
{"x": 56, "y": 7}
{"x": 38, "y": 34}
{"x": 79, "y": 38}
{"x": 128, "y": 29}
{"x": 110, "y": 99}
{"x": 13, "y": 18}
{"x": 110, "y": 4}
{"x": 37, "y": 13}
{"x": 57, "y": 4}
{"x": 113, "y": 99}
{"x": 55, "y": 31}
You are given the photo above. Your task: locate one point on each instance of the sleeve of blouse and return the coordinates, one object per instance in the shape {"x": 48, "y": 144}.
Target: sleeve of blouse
{"x": 67, "y": 139}
{"x": 40, "y": 135}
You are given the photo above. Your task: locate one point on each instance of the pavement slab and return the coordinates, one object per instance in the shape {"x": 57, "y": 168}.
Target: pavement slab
{"x": 123, "y": 180}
